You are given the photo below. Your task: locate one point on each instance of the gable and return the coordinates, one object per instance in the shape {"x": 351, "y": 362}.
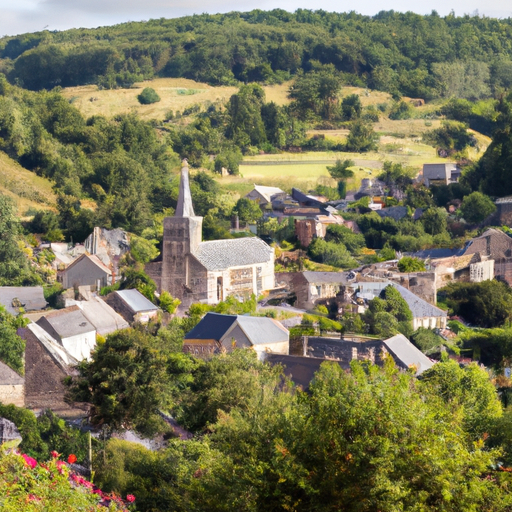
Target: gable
{"x": 213, "y": 326}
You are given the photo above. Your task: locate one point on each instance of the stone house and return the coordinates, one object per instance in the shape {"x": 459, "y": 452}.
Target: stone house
{"x": 102, "y": 317}
{"x": 72, "y": 330}
{"x": 264, "y": 195}
{"x": 12, "y": 387}
{"x": 440, "y": 174}
{"x": 196, "y": 271}
{"x": 132, "y": 306}
{"x": 311, "y": 287}
{"x": 87, "y": 270}
{"x": 216, "y": 332}
{"x": 47, "y": 364}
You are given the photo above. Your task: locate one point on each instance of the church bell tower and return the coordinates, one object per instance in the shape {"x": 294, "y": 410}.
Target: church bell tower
{"x": 182, "y": 236}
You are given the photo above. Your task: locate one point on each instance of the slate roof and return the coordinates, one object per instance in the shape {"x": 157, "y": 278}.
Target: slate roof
{"x": 102, "y": 316}
{"x": 325, "y": 277}
{"x": 212, "y": 327}
{"x": 67, "y": 322}
{"x": 136, "y": 301}
{"x": 437, "y": 253}
{"x": 223, "y": 254}
{"x": 268, "y": 192}
{"x": 261, "y": 330}
{"x": 9, "y": 377}
{"x": 395, "y": 212}
{"x": 419, "y": 308}
{"x": 30, "y": 297}
{"x": 404, "y": 351}
{"x": 94, "y": 259}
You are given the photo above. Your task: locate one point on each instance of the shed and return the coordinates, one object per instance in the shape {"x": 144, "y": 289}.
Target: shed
{"x": 72, "y": 330}
{"x": 132, "y": 305}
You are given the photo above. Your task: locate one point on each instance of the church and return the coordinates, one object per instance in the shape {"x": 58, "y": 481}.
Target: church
{"x": 208, "y": 272}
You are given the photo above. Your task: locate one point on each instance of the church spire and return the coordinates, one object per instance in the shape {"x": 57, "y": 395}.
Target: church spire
{"x": 185, "y": 207}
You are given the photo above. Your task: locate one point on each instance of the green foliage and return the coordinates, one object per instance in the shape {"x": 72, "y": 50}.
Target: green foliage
{"x": 409, "y": 264}
{"x": 396, "y": 175}
{"x": 143, "y": 250}
{"x": 361, "y": 138}
{"x": 485, "y": 304}
{"x": 452, "y": 135}
{"x": 340, "y": 234}
{"x": 12, "y": 347}
{"x": 427, "y": 340}
{"x": 168, "y": 303}
{"x": 400, "y": 110}
{"x": 351, "y": 107}
{"x": 126, "y": 382}
{"x": 148, "y": 96}
{"x": 341, "y": 170}
{"x": 135, "y": 277}
{"x": 476, "y": 207}
{"x": 434, "y": 220}
{"x": 331, "y": 253}
{"x": 247, "y": 210}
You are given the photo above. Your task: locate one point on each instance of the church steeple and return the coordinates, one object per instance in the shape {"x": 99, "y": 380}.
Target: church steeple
{"x": 185, "y": 207}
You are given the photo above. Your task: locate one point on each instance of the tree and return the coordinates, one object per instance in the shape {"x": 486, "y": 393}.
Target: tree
{"x": 12, "y": 347}
{"x": 409, "y": 264}
{"x": 476, "y": 207}
{"x": 142, "y": 250}
{"x": 247, "y": 210}
{"x": 361, "y": 138}
{"x": 351, "y": 107}
{"x": 434, "y": 220}
{"x": 148, "y": 96}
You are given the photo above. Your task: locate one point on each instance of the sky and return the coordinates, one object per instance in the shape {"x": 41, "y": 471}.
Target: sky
{"x": 20, "y": 16}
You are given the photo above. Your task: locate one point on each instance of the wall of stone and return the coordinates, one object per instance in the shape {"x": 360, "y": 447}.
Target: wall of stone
{"x": 14, "y": 395}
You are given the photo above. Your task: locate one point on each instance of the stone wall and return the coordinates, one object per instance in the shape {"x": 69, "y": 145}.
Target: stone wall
{"x": 12, "y": 394}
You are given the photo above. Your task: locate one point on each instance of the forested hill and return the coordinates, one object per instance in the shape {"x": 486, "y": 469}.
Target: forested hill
{"x": 405, "y": 54}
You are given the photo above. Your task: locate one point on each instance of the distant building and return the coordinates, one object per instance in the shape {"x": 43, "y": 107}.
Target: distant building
{"x": 441, "y": 174}
{"x": 12, "y": 387}
{"x": 216, "y": 332}
{"x": 103, "y": 317}
{"x": 28, "y": 298}
{"x": 196, "y": 271}
{"x": 264, "y": 195}
{"x": 72, "y": 330}
{"x": 86, "y": 270}
{"x": 132, "y": 305}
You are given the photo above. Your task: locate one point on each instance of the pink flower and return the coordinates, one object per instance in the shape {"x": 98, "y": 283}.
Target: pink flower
{"x": 54, "y": 454}
{"x": 130, "y": 498}
{"x": 72, "y": 458}
{"x": 30, "y": 461}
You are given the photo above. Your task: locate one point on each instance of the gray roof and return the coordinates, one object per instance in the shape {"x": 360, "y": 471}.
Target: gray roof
{"x": 102, "y": 316}
{"x": 211, "y": 327}
{"x": 67, "y": 322}
{"x": 30, "y": 297}
{"x": 261, "y": 330}
{"x": 438, "y": 171}
{"x": 395, "y": 212}
{"x": 325, "y": 277}
{"x": 223, "y": 254}
{"x": 419, "y": 308}
{"x": 437, "y": 253}
{"x": 136, "y": 301}
{"x": 9, "y": 377}
{"x": 404, "y": 351}
{"x": 184, "y": 207}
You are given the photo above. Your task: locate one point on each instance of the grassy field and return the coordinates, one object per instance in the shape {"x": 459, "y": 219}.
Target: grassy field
{"x": 28, "y": 190}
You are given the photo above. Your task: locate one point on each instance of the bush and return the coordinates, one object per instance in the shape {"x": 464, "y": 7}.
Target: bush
{"x": 148, "y": 96}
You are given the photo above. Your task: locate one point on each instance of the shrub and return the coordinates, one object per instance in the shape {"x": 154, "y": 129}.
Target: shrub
{"x": 148, "y": 96}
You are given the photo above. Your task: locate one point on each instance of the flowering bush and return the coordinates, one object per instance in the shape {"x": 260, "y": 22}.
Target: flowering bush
{"x": 50, "y": 486}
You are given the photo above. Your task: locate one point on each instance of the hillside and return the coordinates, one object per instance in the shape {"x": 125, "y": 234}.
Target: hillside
{"x": 29, "y": 191}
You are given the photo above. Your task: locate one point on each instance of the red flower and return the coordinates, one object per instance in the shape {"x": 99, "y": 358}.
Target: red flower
{"x": 72, "y": 458}
{"x": 30, "y": 461}
{"x": 54, "y": 454}
{"x": 130, "y": 498}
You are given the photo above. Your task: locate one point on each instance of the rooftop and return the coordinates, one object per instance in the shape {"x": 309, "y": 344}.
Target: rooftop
{"x": 9, "y": 377}
{"x": 325, "y": 277}
{"x": 68, "y": 322}
{"x": 94, "y": 259}
{"x": 268, "y": 192}
{"x": 222, "y": 254}
{"x": 30, "y": 298}
{"x": 261, "y": 330}
{"x": 136, "y": 301}
{"x": 403, "y": 350}
{"x": 211, "y": 327}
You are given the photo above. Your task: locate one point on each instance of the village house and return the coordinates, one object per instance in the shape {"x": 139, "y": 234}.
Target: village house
{"x": 216, "y": 332}
{"x": 26, "y": 298}
{"x": 132, "y": 306}
{"x": 101, "y": 316}
{"x": 72, "y": 330}
{"x": 196, "y": 271}
{"x": 85, "y": 270}
{"x": 264, "y": 195}
{"x": 47, "y": 364}
{"x": 440, "y": 174}
{"x": 12, "y": 387}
